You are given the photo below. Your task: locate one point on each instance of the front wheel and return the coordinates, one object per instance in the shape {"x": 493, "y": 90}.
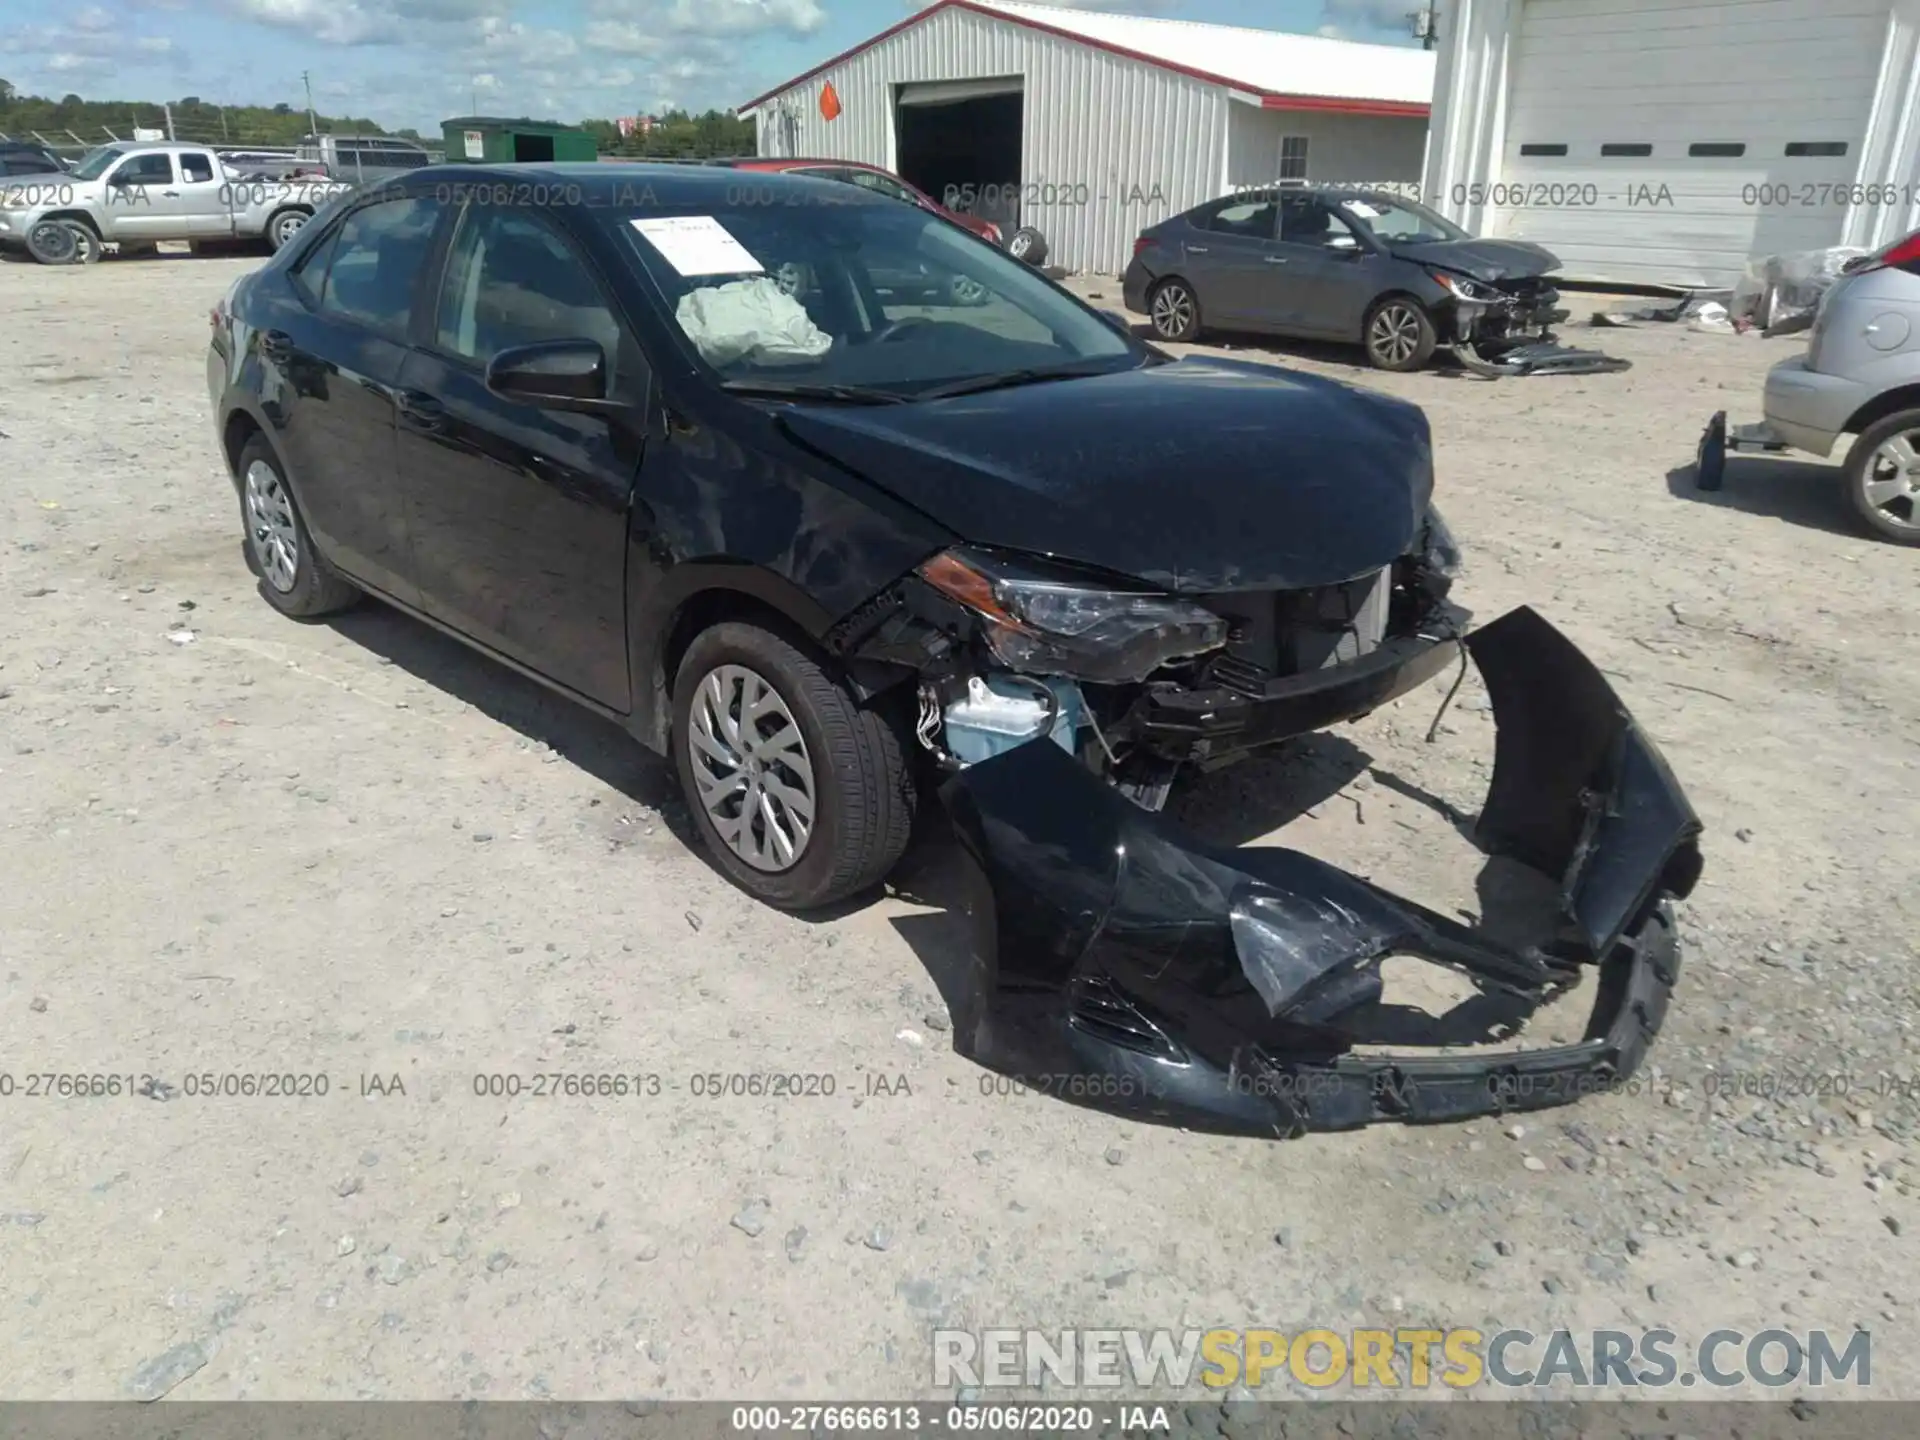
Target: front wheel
{"x": 1883, "y": 477}
{"x": 1400, "y": 335}
{"x": 801, "y": 795}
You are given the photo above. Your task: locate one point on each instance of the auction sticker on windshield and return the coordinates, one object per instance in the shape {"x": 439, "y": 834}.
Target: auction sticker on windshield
{"x": 698, "y": 245}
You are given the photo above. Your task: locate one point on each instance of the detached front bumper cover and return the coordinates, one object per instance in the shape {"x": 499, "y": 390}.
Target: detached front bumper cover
{"x": 1121, "y": 965}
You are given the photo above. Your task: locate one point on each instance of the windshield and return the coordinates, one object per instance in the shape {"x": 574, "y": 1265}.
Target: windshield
{"x": 855, "y": 291}
{"x": 96, "y": 162}
{"x": 1401, "y": 222}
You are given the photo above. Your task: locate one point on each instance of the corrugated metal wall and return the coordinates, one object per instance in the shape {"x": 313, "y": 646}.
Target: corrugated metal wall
{"x": 1111, "y": 145}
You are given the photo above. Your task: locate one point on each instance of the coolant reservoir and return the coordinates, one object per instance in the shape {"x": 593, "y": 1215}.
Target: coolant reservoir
{"x": 1000, "y": 712}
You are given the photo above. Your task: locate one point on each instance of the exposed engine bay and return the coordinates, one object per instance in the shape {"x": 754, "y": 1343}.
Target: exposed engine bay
{"x": 1136, "y": 684}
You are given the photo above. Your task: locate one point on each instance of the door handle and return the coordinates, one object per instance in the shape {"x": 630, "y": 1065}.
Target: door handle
{"x": 1196, "y": 249}
{"x": 1276, "y": 259}
{"x": 174, "y": 193}
{"x": 420, "y": 411}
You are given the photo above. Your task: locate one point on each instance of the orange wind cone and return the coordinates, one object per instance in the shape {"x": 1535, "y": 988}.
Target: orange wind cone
{"x": 830, "y": 101}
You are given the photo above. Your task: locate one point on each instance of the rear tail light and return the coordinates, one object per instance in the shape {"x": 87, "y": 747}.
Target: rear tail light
{"x": 1142, "y": 244}
{"x": 993, "y": 234}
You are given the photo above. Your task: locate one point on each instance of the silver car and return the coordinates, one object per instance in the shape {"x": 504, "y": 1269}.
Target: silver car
{"x": 1860, "y": 376}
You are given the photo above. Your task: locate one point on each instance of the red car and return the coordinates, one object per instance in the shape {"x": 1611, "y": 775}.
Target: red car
{"x": 872, "y": 177}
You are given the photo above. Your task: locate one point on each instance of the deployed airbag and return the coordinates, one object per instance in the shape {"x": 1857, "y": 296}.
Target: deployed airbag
{"x": 751, "y": 320}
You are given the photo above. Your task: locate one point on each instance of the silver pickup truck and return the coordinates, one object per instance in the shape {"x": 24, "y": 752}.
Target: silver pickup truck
{"x": 134, "y": 196}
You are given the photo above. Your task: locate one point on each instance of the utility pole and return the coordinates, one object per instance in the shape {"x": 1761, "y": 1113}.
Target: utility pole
{"x": 1425, "y": 29}
{"x": 313, "y": 125}
{"x": 167, "y": 111}
{"x": 225, "y": 134}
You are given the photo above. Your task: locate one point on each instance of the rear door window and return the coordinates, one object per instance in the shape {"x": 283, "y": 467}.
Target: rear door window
{"x": 1253, "y": 219}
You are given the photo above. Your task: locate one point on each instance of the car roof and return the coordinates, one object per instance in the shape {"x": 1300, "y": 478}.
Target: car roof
{"x": 679, "y": 182}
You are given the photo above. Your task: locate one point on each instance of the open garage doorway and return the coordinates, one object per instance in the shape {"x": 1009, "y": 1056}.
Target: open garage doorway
{"x": 954, "y": 134}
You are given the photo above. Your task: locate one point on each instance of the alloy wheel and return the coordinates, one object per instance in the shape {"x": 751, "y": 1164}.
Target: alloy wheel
{"x": 1891, "y": 484}
{"x": 965, "y": 290}
{"x": 1172, "y": 311}
{"x": 1394, "y": 334}
{"x": 270, "y": 531}
{"x": 751, "y": 767}
{"x": 286, "y": 227}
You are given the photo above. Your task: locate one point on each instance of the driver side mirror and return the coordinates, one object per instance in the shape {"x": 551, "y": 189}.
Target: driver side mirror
{"x": 554, "y": 375}
{"x": 1344, "y": 244}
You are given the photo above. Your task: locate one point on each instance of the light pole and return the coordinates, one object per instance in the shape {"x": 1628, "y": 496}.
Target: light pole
{"x": 1424, "y": 28}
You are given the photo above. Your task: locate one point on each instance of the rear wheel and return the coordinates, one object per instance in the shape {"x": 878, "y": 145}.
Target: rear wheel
{"x": 294, "y": 576}
{"x": 1174, "y": 310}
{"x": 1399, "y": 334}
{"x": 1883, "y": 477}
{"x": 283, "y": 225}
{"x": 801, "y": 795}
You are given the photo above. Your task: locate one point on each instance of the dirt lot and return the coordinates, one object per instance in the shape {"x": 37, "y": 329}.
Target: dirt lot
{"x": 355, "y": 850}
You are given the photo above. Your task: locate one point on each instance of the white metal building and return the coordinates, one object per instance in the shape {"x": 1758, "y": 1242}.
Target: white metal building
{"x": 1091, "y": 126}
{"x": 1667, "y": 141}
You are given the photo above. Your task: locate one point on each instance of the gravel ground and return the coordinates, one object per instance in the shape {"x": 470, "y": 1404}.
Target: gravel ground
{"x": 236, "y": 844}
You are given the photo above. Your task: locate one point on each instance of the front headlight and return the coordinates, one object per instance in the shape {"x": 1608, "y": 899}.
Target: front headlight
{"x": 1040, "y": 619}
{"x": 1463, "y": 288}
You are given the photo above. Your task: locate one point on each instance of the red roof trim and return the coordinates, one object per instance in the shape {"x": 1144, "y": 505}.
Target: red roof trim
{"x": 1328, "y": 104}
{"x": 1345, "y": 107}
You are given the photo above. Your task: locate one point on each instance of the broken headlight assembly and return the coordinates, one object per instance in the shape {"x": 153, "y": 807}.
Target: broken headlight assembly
{"x": 1045, "y": 619}
{"x": 1440, "y": 552}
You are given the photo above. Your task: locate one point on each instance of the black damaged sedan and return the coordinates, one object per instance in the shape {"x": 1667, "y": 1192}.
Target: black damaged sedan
{"x": 668, "y": 443}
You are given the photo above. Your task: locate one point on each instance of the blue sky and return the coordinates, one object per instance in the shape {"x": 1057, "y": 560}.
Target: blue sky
{"x": 415, "y": 62}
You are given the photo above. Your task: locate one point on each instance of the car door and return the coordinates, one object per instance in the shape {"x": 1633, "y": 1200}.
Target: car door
{"x": 1333, "y": 271}
{"x": 336, "y": 335}
{"x": 1226, "y": 257}
{"x": 138, "y": 199}
{"x": 518, "y": 513}
{"x": 202, "y": 194}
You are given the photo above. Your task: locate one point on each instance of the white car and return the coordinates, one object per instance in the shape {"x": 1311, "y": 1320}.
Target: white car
{"x": 1860, "y": 376}
{"x": 134, "y": 196}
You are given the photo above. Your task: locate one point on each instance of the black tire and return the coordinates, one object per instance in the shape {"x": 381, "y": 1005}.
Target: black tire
{"x": 282, "y": 226}
{"x": 863, "y": 792}
{"x": 317, "y": 588}
{"x": 1897, "y": 519}
{"x": 1391, "y": 323}
{"x": 1029, "y": 246}
{"x": 1174, "y": 311}
{"x": 54, "y": 242}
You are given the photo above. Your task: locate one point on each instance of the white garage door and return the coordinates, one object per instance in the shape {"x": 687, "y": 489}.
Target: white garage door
{"x": 1665, "y": 142}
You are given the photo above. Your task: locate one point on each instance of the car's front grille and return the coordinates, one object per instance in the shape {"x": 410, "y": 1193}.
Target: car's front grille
{"x": 1277, "y": 633}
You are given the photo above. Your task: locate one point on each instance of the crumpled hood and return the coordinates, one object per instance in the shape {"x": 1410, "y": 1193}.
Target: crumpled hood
{"x": 1200, "y": 475}
{"x": 1484, "y": 259}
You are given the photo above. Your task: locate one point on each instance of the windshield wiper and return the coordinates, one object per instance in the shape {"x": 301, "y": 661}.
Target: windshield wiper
{"x": 793, "y": 390}
{"x": 1007, "y": 380}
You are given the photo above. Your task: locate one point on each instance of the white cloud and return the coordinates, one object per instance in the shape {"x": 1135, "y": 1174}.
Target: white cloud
{"x": 1351, "y": 16}
{"x": 745, "y": 17}
{"x": 65, "y": 62}
{"x": 1331, "y": 32}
